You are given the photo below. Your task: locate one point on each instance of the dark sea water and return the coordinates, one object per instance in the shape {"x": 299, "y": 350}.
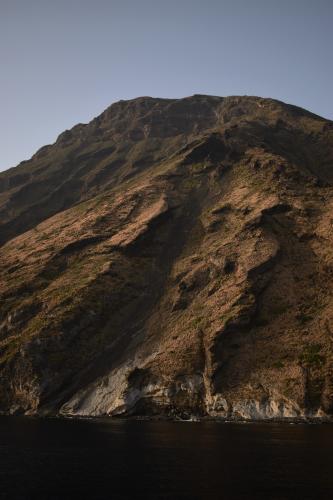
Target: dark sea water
{"x": 58, "y": 459}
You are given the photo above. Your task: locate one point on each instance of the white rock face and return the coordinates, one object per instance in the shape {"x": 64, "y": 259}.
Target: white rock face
{"x": 101, "y": 398}
{"x": 250, "y": 409}
{"x": 217, "y": 406}
{"x": 113, "y": 396}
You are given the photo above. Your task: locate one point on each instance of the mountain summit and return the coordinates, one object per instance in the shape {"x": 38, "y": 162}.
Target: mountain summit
{"x": 173, "y": 257}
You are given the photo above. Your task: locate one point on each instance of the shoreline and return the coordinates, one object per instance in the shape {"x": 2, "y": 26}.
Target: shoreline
{"x": 161, "y": 418}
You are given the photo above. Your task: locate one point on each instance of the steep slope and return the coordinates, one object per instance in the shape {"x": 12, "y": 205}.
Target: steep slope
{"x": 172, "y": 257}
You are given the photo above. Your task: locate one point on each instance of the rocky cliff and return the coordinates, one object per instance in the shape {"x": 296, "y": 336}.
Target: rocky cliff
{"x": 173, "y": 257}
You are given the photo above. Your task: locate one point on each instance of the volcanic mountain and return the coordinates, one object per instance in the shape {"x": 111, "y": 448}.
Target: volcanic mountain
{"x": 174, "y": 258}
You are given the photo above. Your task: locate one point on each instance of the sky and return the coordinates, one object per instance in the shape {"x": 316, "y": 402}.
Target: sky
{"x": 64, "y": 61}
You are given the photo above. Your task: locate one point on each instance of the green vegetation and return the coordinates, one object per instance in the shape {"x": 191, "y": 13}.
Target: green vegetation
{"x": 191, "y": 183}
{"x": 311, "y": 355}
{"x": 229, "y": 315}
{"x": 274, "y": 310}
{"x": 199, "y": 322}
{"x": 304, "y": 318}
{"x": 279, "y": 308}
{"x": 278, "y": 364}
{"x": 289, "y": 389}
{"x": 310, "y": 309}
{"x": 198, "y": 168}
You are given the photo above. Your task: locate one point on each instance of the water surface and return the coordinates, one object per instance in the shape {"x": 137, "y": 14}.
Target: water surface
{"x": 66, "y": 459}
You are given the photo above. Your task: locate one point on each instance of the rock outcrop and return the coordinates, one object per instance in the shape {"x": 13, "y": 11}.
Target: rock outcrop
{"x": 172, "y": 258}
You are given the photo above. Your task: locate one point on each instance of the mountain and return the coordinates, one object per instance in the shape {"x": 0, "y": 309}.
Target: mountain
{"x": 174, "y": 258}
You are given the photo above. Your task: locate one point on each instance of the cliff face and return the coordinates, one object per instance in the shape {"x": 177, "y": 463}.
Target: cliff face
{"x": 175, "y": 258}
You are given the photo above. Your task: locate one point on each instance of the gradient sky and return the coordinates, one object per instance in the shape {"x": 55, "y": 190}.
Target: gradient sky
{"x": 64, "y": 61}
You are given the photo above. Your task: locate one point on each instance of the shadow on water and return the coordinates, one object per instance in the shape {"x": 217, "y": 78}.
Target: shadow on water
{"x": 67, "y": 459}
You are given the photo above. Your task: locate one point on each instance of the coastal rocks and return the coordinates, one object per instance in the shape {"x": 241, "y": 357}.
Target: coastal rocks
{"x": 125, "y": 395}
{"x": 279, "y": 409}
{"x": 263, "y": 410}
{"x": 183, "y": 398}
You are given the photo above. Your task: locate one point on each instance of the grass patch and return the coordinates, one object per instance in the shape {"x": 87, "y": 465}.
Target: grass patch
{"x": 199, "y": 322}
{"x": 279, "y": 308}
{"x": 303, "y": 318}
{"x": 311, "y": 356}
{"x": 278, "y": 364}
{"x": 191, "y": 183}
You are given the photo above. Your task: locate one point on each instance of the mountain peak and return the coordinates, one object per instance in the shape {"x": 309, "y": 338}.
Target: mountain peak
{"x": 172, "y": 257}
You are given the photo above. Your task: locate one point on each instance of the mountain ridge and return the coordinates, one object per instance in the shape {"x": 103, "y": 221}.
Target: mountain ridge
{"x": 171, "y": 257}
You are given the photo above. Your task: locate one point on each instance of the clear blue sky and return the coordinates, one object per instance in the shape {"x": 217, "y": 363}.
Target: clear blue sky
{"x": 64, "y": 61}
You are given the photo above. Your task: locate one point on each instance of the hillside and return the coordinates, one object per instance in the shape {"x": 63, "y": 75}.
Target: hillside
{"x": 173, "y": 257}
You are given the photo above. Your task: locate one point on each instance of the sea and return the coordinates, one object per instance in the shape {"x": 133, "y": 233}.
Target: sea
{"x": 46, "y": 459}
